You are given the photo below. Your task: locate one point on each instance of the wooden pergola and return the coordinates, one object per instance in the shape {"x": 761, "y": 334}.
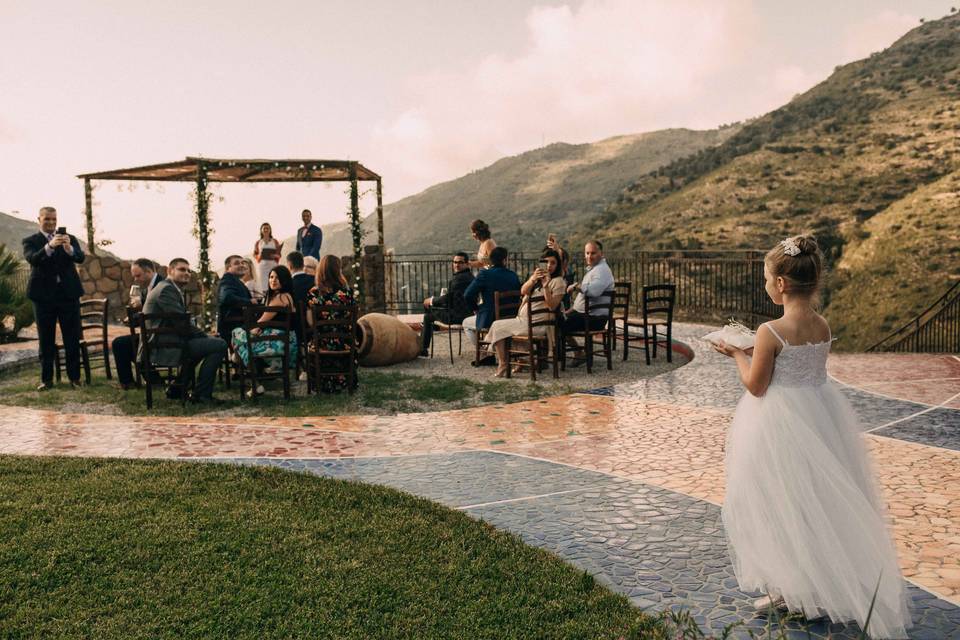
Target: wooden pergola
{"x": 202, "y": 171}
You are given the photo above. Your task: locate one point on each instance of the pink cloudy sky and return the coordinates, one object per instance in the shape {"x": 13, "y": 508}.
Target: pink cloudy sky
{"x": 420, "y": 92}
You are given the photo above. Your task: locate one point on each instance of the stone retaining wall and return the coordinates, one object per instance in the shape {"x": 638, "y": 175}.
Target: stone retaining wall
{"x": 108, "y": 277}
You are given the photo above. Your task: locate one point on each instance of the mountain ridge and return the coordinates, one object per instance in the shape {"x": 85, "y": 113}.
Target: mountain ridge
{"x": 551, "y": 188}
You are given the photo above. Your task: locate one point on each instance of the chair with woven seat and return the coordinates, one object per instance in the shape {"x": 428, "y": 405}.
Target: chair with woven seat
{"x": 620, "y": 313}
{"x": 656, "y": 310}
{"x": 255, "y": 370}
{"x": 167, "y": 333}
{"x": 602, "y": 302}
{"x": 506, "y": 304}
{"x": 93, "y": 334}
{"x": 533, "y": 349}
{"x": 337, "y": 324}
{"x": 449, "y": 329}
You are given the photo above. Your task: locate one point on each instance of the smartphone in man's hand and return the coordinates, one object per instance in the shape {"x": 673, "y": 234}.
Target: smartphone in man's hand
{"x": 61, "y": 231}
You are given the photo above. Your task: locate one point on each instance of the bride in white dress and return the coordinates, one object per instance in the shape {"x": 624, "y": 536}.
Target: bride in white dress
{"x": 802, "y": 516}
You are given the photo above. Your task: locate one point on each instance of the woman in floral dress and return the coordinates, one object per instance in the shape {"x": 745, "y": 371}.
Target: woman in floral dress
{"x": 280, "y": 294}
{"x": 331, "y": 289}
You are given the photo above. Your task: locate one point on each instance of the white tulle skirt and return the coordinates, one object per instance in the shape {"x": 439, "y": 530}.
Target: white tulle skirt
{"x": 802, "y": 515}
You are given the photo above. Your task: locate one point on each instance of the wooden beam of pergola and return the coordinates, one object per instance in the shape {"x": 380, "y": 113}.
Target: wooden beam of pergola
{"x": 240, "y": 170}
{"x": 202, "y": 171}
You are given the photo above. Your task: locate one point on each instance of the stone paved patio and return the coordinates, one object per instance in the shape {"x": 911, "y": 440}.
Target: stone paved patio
{"x": 625, "y": 482}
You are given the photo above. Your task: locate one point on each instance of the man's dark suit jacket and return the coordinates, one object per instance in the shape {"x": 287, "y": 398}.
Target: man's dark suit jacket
{"x": 302, "y": 283}
{"x": 232, "y": 296}
{"x": 46, "y": 270}
{"x": 310, "y": 242}
{"x": 453, "y": 307}
{"x": 154, "y": 281}
{"x": 487, "y": 283}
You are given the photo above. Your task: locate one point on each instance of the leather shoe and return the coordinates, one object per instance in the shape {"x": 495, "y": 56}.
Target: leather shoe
{"x": 44, "y": 386}
{"x": 123, "y": 386}
{"x": 76, "y": 384}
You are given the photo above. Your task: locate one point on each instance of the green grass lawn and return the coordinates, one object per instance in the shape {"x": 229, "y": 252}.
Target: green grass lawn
{"x": 147, "y": 549}
{"x": 379, "y": 392}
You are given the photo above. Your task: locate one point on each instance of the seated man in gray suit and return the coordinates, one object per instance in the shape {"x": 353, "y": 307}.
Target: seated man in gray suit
{"x": 188, "y": 350}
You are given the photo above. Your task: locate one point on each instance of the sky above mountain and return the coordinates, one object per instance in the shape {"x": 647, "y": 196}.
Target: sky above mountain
{"x": 420, "y": 92}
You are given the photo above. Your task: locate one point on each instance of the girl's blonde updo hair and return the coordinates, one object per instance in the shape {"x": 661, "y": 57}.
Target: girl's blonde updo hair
{"x": 801, "y": 272}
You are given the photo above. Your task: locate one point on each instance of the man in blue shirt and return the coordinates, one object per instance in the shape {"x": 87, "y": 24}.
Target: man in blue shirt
{"x": 495, "y": 278}
{"x": 309, "y": 236}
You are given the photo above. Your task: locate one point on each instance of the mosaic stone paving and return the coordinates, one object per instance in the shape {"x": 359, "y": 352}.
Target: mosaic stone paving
{"x": 615, "y": 480}
{"x": 659, "y": 548}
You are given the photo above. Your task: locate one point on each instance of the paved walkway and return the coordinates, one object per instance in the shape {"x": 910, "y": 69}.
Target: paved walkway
{"x": 624, "y": 481}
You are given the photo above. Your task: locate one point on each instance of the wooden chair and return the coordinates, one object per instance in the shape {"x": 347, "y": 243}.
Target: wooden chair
{"x": 170, "y": 331}
{"x": 506, "y": 304}
{"x": 449, "y": 329}
{"x": 656, "y": 307}
{"x": 337, "y": 322}
{"x": 93, "y": 323}
{"x": 622, "y": 292}
{"x": 532, "y": 350}
{"x": 606, "y": 332}
{"x": 133, "y": 323}
{"x": 228, "y": 369}
{"x": 252, "y": 371}
{"x": 304, "y": 336}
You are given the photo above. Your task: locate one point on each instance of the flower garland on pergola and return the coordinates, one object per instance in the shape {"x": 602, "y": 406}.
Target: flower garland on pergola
{"x": 203, "y": 171}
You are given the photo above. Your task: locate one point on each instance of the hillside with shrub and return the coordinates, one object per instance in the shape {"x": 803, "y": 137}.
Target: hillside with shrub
{"x": 524, "y": 197}
{"x": 867, "y": 161}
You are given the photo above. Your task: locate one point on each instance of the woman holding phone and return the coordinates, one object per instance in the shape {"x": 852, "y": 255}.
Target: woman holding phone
{"x": 266, "y": 251}
{"x": 546, "y": 280}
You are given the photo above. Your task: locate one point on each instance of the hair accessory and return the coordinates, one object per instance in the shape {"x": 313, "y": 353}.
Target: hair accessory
{"x": 790, "y": 247}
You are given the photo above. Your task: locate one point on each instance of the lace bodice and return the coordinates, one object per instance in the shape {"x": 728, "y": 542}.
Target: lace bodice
{"x": 799, "y": 365}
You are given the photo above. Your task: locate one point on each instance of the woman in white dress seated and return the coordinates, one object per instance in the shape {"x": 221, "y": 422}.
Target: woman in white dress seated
{"x": 547, "y": 281}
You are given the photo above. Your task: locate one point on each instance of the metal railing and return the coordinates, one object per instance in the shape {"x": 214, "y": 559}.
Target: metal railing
{"x": 936, "y": 330}
{"x": 710, "y": 284}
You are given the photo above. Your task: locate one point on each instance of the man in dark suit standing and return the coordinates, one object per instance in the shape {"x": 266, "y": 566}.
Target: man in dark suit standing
{"x": 302, "y": 282}
{"x": 185, "y": 351}
{"x": 488, "y": 282}
{"x": 145, "y": 276}
{"x": 309, "y": 236}
{"x": 449, "y": 307}
{"x": 232, "y": 296}
{"x": 55, "y": 291}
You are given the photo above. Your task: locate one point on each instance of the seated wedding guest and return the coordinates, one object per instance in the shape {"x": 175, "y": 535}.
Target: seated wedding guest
{"x": 187, "y": 351}
{"x": 488, "y": 281}
{"x": 145, "y": 276}
{"x": 302, "y": 283}
{"x": 250, "y": 279}
{"x": 331, "y": 289}
{"x": 449, "y": 307}
{"x": 481, "y": 233}
{"x": 232, "y": 296}
{"x": 546, "y": 280}
{"x": 566, "y": 265}
{"x": 310, "y": 266}
{"x": 597, "y": 281}
{"x": 280, "y": 295}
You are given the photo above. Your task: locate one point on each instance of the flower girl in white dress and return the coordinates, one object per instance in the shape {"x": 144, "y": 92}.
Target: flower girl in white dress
{"x": 802, "y": 516}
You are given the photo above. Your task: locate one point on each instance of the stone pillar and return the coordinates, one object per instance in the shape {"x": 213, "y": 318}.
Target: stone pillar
{"x": 374, "y": 279}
